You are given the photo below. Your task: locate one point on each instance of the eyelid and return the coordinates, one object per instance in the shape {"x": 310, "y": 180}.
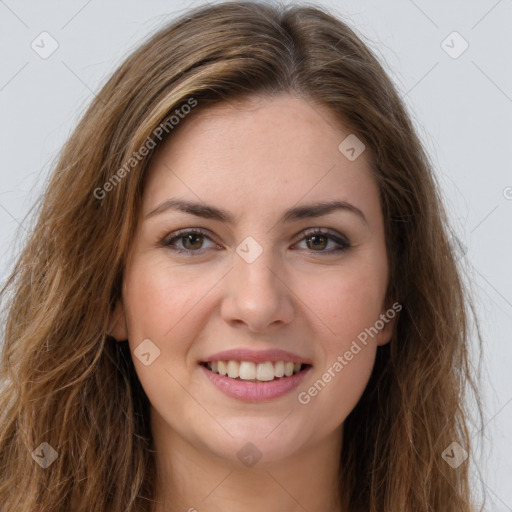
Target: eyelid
{"x": 334, "y": 235}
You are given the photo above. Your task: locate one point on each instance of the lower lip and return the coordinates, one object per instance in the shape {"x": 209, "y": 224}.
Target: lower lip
{"x": 255, "y": 391}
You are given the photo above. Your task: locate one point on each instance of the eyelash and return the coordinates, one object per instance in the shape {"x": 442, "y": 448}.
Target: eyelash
{"x": 168, "y": 241}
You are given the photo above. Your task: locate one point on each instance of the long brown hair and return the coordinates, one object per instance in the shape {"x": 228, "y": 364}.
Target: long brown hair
{"x": 67, "y": 383}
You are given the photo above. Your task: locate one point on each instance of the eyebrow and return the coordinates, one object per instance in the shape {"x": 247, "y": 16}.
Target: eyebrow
{"x": 293, "y": 214}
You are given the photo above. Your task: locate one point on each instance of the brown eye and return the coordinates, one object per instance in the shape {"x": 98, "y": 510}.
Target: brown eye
{"x": 192, "y": 242}
{"x": 325, "y": 242}
{"x": 188, "y": 241}
{"x": 317, "y": 242}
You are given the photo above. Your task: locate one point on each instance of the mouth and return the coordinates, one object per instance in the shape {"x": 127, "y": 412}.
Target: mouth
{"x": 249, "y": 371}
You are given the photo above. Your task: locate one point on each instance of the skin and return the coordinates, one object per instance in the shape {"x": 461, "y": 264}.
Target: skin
{"x": 255, "y": 160}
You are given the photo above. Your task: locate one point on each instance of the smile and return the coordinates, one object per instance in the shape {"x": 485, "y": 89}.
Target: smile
{"x": 256, "y": 372}
{"x": 255, "y": 382}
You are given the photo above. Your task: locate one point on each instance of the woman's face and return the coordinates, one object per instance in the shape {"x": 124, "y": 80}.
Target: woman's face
{"x": 256, "y": 280}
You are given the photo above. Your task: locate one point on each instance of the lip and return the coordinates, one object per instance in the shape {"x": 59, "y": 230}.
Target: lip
{"x": 256, "y": 356}
{"x": 248, "y": 391}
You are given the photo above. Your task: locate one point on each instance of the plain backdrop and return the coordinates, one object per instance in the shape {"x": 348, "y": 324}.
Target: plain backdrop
{"x": 457, "y": 86}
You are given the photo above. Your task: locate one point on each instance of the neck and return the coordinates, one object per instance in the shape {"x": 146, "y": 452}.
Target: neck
{"x": 193, "y": 479}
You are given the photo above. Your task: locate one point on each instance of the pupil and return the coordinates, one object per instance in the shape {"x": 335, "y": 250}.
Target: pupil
{"x": 189, "y": 238}
{"x": 317, "y": 238}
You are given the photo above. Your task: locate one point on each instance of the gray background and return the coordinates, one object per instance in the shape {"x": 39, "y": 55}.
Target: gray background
{"x": 461, "y": 106}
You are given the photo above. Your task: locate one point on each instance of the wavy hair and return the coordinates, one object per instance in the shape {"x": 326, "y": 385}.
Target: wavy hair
{"x": 65, "y": 380}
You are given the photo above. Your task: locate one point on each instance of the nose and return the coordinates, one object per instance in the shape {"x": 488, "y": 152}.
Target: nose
{"x": 257, "y": 295}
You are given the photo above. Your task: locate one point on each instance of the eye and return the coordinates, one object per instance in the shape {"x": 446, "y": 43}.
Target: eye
{"x": 317, "y": 240}
{"x": 191, "y": 241}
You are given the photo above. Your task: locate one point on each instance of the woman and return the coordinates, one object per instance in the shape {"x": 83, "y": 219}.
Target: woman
{"x": 240, "y": 292}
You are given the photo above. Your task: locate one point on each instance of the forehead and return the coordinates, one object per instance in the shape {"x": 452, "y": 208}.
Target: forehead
{"x": 260, "y": 153}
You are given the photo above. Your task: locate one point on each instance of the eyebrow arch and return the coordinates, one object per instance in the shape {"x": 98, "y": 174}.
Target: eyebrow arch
{"x": 293, "y": 214}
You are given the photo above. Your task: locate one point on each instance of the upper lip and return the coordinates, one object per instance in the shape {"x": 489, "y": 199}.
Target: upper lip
{"x": 256, "y": 356}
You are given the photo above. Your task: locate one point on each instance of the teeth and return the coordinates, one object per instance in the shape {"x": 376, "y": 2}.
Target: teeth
{"x": 221, "y": 368}
{"x": 247, "y": 370}
{"x": 233, "y": 369}
{"x": 279, "y": 369}
{"x": 265, "y": 371}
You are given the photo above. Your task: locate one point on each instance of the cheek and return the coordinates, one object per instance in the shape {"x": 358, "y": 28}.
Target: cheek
{"x": 349, "y": 303}
{"x": 346, "y": 302}
{"x": 163, "y": 302}
{"x": 338, "y": 386}
{"x": 160, "y": 298}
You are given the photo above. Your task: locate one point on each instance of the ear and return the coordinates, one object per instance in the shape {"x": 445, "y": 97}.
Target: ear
{"x": 117, "y": 327}
{"x": 388, "y": 318}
